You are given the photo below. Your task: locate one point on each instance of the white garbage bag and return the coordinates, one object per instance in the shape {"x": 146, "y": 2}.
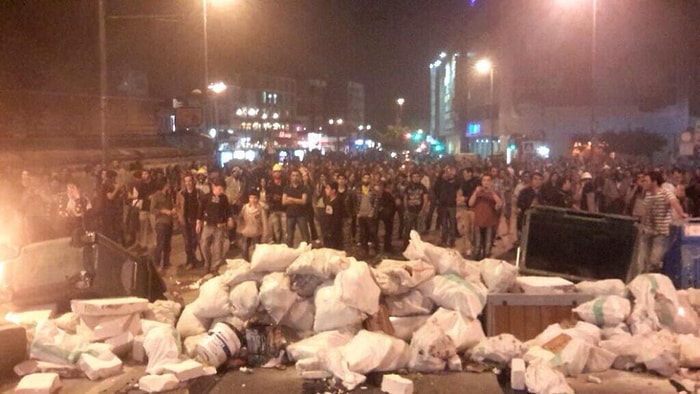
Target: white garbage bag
{"x": 164, "y": 311}
{"x": 332, "y": 361}
{"x": 498, "y": 275}
{"x": 409, "y": 304}
{"x": 314, "y": 345}
{"x": 499, "y": 349}
{"x": 68, "y": 322}
{"x": 357, "y": 288}
{"x": 599, "y": 359}
{"x": 301, "y": 316}
{"x": 276, "y": 295}
{"x": 604, "y": 310}
{"x": 570, "y": 354}
{"x": 162, "y": 345}
{"x": 244, "y": 299}
{"x": 584, "y": 331}
{"x": 603, "y": 287}
{"x": 239, "y": 271}
{"x": 331, "y": 312}
{"x": 51, "y": 344}
{"x": 404, "y": 327}
{"x": 655, "y": 302}
{"x": 464, "y": 332}
{"x": 445, "y": 260}
{"x": 322, "y": 263}
{"x": 543, "y": 379}
{"x": 686, "y": 320}
{"x": 375, "y": 351}
{"x": 396, "y": 277}
{"x": 212, "y": 301}
{"x": 452, "y": 292}
{"x": 431, "y": 349}
{"x": 188, "y": 324}
{"x": 275, "y": 258}
{"x": 689, "y": 351}
{"x": 659, "y": 352}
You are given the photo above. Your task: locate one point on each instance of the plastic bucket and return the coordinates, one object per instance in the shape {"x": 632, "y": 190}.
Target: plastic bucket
{"x": 221, "y": 344}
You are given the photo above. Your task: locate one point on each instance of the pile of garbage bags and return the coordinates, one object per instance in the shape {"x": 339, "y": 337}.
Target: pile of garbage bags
{"x": 335, "y": 316}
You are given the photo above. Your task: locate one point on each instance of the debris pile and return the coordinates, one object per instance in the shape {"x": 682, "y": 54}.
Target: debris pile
{"x": 336, "y": 317}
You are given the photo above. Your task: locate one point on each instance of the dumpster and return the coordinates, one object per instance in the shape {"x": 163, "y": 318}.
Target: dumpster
{"x": 90, "y": 266}
{"x": 578, "y": 245}
{"x": 682, "y": 259}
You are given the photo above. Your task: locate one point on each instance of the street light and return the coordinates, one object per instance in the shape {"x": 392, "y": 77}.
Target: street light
{"x": 484, "y": 66}
{"x": 337, "y": 122}
{"x": 399, "y": 110}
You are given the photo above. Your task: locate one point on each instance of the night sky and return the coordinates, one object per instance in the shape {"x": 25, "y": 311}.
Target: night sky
{"x": 387, "y": 45}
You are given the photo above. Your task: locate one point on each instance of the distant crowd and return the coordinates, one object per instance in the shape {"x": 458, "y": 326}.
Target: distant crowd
{"x": 367, "y": 206}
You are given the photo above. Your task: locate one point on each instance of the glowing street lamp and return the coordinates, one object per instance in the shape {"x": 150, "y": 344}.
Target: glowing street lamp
{"x": 337, "y": 123}
{"x": 399, "y": 110}
{"x": 485, "y": 66}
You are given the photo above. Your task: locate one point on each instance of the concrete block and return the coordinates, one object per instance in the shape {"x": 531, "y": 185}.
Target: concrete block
{"x": 39, "y": 383}
{"x": 517, "y": 374}
{"x": 97, "y": 328}
{"x": 122, "y": 344}
{"x": 158, "y": 383}
{"x": 109, "y": 306}
{"x": 395, "y": 384}
{"x": 185, "y": 370}
{"x": 98, "y": 368}
{"x": 138, "y": 352}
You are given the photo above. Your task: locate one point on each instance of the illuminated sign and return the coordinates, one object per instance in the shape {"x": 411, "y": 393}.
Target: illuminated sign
{"x": 473, "y": 129}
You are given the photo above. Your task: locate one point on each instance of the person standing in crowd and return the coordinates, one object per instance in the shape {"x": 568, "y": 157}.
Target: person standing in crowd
{"x": 187, "y": 206}
{"x": 346, "y": 200}
{"x": 367, "y": 212}
{"x": 387, "y": 211}
{"x": 563, "y": 197}
{"x": 486, "y": 203}
{"x": 252, "y": 223}
{"x": 234, "y": 194}
{"x": 399, "y": 193}
{"x": 162, "y": 209}
{"x": 277, "y": 215}
{"x": 589, "y": 195}
{"x": 213, "y": 222}
{"x": 332, "y": 219}
{"x": 73, "y": 208}
{"x": 144, "y": 189}
{"x": 294, "y": 198}
{"x": 416, "y": 203}
{"x": 111, "y": 196}
{"x": 634, "y": 197}
{"x": 528, "y": 198}
{"x": 659, "y": 203}
{"x": 319, "y": 195}
{"x": 308, "y": 186}
{"x": 507, "y": 181}
{"x": 446, "y": 197}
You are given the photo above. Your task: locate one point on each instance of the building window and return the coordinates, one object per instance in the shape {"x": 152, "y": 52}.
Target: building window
{"x": 270, "y": 98}
{"x": 473, "y": 128}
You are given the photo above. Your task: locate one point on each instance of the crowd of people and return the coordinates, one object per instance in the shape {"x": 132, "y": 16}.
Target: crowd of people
{"x": 341, "y": 202}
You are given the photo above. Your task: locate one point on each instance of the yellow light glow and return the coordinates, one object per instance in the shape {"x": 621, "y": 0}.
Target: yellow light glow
{"x": 483, "y": 66}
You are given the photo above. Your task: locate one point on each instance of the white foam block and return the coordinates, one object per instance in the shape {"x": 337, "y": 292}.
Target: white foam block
{"x": 98, "y": 368}
{"x": 39, "y": 383}
{"x": 544, "y": 285}
{"x": 185, "y": 370}
{"x": 158, "y": 383}
{"x": 517, "y": 374}
{"x": 109, "y": 306}
{"x": 97, "y": 328}
{"x": 395, "y": 384}
{"x": 121, "y": 344}
{"x": 138, "y": 352}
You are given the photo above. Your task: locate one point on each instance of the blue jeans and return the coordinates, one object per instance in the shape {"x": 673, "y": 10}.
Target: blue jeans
{"x": 276, "y": 225}
{"x": 302, "y": 223}
{"x": 484, "y": 240}
{"x": 164, "y": 237}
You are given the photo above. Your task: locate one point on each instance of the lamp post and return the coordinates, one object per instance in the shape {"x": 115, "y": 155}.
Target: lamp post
{"x": 399, "y": 110}
{"x": 484, "y": 66}
{"x": 337, "y": 123}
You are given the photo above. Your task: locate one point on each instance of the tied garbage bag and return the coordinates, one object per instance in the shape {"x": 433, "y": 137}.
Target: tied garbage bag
{"x": 686, "y": 320}
{"x": 445, "y": 260}
{"x": 332, "y": 361}
{"x": 603, "y": 287}
{"x": 357, "y": 288}
{"x": 244, "y": 299}
{"x": 659, "y": 352}
{"x": 604, "y": 310}
{"x": 404, "y": 327}
{"x": 239, "y": 271}
{"x": 162, "y": 345}
{"x": 655, "y": 303}
{"x": 409, "y": 304}
{"x": 51, "y": 344}
{"x": 212, "y": 301}
{"x": 276, "y": 295}
{"x": 465, "y": 333}
{"x": 275, "y": 258}
{"x": 396, "y": 277}
{"x": 331, "y": 312}
{"x": 543, "y": 379}
{"x": 312, "y": 346}
{"x": 498, "y": 275}
{"x": 374, "y": 351}
{"x": 189, "y": 325}
{"x": 431, "y": 349}
{"x": 452, "y": 292}
{"x": 499, "y": 349}
{"x": 321, "y": 263}
{"x": 689, "y": 351}
{"x": 570, "y": 354}
{"x": 301, "y": 316}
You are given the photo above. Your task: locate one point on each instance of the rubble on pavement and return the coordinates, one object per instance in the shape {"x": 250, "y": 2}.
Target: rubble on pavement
{"x": 334, "y": 316}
